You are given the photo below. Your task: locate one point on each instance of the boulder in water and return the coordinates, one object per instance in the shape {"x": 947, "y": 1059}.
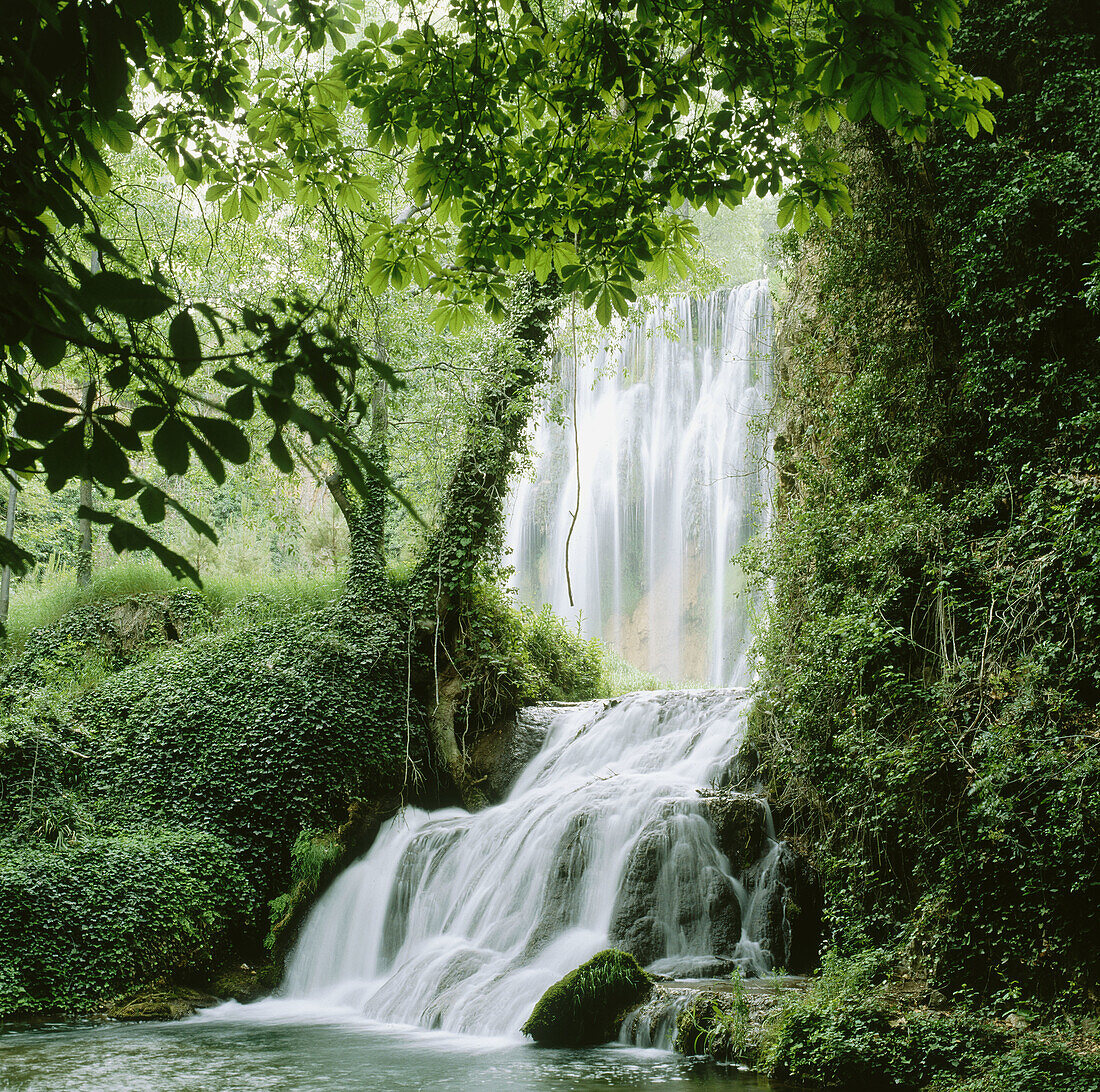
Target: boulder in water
{"x": 500, "y": 754}
{"x": 587, "y": 1006}
{"x": 723, "y": 913}
{"x": 165, "y": 1002}
{"x": 634, "y": 928}
{"x": 560, "y": 907}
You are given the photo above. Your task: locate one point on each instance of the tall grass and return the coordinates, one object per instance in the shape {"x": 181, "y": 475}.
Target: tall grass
{"x": 43, "y": 599}
{"x": 37, "y": 603}
{"x": 618, "y": 676}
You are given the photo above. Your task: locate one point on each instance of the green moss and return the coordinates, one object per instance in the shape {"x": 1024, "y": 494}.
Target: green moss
{"x": 587, "y": 1006}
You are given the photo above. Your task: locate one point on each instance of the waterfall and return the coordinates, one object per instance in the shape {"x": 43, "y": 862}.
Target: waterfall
{"x": 671, "y": 472}
{"x": 461, "y": 921}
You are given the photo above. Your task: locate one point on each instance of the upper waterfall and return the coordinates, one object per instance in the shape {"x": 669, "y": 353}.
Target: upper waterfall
{"x": 672, "y": 477}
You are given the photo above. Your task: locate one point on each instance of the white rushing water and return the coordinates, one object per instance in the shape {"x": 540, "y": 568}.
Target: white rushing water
{"x": 460, "y": 921}
{"x": 672, "y": 477}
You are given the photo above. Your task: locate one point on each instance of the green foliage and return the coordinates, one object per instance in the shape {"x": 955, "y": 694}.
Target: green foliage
{"x": 587, "y": 1006}
{"x": 713, "y": 96}
{"x": 314, "y": 853}
{"x": 1031, "y": 1066}
{"x": 513, "y": 656}
{"x": 716, "y": 1025}
{"x": 244, "y": 729}
{"x": 80, "y": 923}
{"x": 259, "y": 733}
{"x": 841, "y": 1031}
{"x": 557, "y": 664}
{"x": 68, "y": 289}
{"x": 269, "y": 103}
{"x": 930, "y": 664}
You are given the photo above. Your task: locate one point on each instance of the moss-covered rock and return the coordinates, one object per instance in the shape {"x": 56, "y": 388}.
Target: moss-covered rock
{"x": 740, "y": 826}
{"x": 159, "y": 1003}
{"x": 316, "y": 860}
{"x": 587, "y": 1006}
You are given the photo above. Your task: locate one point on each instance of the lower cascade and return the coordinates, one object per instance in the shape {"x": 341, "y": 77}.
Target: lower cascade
{"x": 461, "y": 921}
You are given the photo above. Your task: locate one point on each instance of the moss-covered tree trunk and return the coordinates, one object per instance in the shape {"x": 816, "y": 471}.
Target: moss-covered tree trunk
{"x": 470, "y": 525}
{"x": 469, "y": 529}
{"x": 366, "y": 515}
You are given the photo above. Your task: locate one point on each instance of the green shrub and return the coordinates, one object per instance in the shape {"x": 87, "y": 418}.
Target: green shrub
{"x": 869, "y": 1047}
{"x": 80, "y": 923}
{"x": 257, "y": 734}
{"x": 560, "y": 665}
{"x": 1032, "y": 1066}
{"x": 513, "y": 656}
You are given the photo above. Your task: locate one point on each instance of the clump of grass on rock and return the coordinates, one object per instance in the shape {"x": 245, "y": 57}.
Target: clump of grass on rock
{"x": 587, "y": 1006}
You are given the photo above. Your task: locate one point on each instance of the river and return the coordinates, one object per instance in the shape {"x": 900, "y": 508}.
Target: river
{"x": 276, "y": 1047}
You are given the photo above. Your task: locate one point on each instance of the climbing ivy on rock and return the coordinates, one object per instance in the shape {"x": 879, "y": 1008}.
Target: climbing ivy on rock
{"x": 930, "y": 668}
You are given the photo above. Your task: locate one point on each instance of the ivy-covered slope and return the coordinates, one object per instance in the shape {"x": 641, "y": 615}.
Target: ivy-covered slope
{"x": 931, "y": 669}
{"x": 158, "y": 791}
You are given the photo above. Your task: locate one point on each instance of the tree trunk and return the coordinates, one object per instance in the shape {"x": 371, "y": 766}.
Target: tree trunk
{"x": 472, "y": 512}
{"x": 5, "y": 577}
{"x": 366, "y": 516}
{"x": 471, "y": 518}
{"x": 84, "y": 551}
